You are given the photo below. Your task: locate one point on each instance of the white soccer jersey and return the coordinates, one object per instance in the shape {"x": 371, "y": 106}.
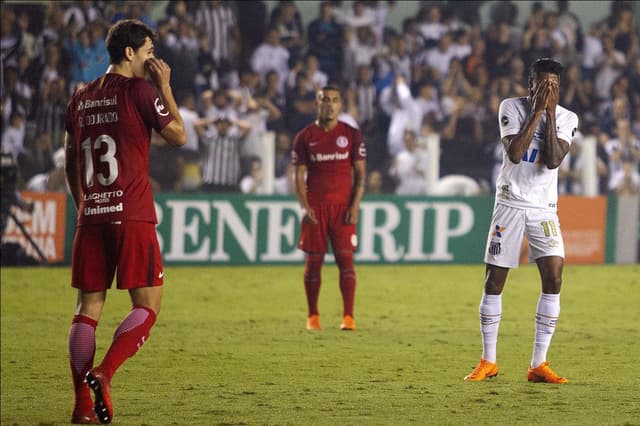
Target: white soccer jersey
{"x": 530, "y": 183}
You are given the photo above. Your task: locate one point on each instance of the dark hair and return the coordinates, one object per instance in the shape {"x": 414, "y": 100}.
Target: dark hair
{"x": 547, "y": 65}
{"x": 331, "y": 87}
{"x": 127, "y": 33}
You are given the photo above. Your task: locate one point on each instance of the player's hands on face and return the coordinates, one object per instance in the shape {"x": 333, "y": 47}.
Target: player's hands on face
{"x": 554, "y": 95}
{"x": 351, "y": 217}
{"x": 540, "y": 96}
{"x": 159, "y": 71}
{"x": 309, "y": 215}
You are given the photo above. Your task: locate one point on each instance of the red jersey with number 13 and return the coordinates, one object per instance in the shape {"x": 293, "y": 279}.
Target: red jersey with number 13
{"x": 329, "y": 157}
{"x": 110, "y": 125}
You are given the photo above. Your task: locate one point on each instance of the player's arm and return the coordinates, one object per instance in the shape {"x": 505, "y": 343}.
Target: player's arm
{"x": 555, "y": 149}
{"x": 160, "y": 74}
{"x": 301, "y": 192}
{"x": 71, "y": 169}
{"x": 359, "y": 178}
{"x": 517, "y": 144}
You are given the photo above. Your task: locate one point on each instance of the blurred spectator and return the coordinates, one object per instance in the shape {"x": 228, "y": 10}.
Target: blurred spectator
{"x": 252, "y": 181}
{"x": 325, "y": 41}
{"x": 27, "y": 39}
{"x": 274, "y": 100}
{"x": 375, "y": 180}
{"x": 361, "y": 49}
{"x": 301, "y": 107}
{"x": 194, "y": 127}
{"x": 626, "y": 181}
{"x": 13, "y": 135}
{"x": 283, "y": 153}
{"x": 51, "y": 110}
{"x": 9, "y": 36}
{"x": 134, "y": 9}
{"x": 575, "y": 93}
{"x": 569, "y": 25}
{"x": 218, "y": 104}
{"x": 430, "y": 24}
{"x": 398, "y": 103}
{"x": 81, "y": 13}
{"x": 219, "y": 23}
{"x": 53, "y": 180}
{"x": 409, "y": 167}
{"x": 271, "y": 55}
{"x": 399, "y": 58}
{"x": 609, "y": 67}
{"x": 570, "y": 170}
{"x": 623, "y": 146}
{"x": 221, "y": 159}
{"x": 499, "y": 49}
{"x": 591, "y": 51}
{"x": 623, "y": 29}
{"x": 287, "y": 20}
{"x": 38, "y": 156}
{"x": 252, "y": 24}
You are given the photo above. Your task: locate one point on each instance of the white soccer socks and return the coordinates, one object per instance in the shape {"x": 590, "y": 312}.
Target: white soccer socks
{"x": 490, "y": 315}
{"x": 546, "y": 319}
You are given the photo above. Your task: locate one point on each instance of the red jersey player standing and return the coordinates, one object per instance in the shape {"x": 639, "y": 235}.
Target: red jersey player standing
{"x": 330, "y": 169}
{"x": 108, "y": 125}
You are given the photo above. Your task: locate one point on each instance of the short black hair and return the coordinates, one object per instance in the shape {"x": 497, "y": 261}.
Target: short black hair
{"x": 331, "y": 87}
{"x": 547, "y": 65}
{"x": 127, "y": 33}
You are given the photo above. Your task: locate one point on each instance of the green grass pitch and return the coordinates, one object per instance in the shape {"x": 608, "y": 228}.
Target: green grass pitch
{"x": 230, "y": 347}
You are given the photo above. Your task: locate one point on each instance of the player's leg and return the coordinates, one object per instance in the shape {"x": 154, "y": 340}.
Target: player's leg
{"x": 139, "y": 269}
{"x": 314, "y": 242}
{"x": 312, "y": 283}
{"x": 344, "y": 261}
{"x": 344, "y": 242}
{"x": 546, "y": 247}
{"x": 91, "y": 275}
{"x": 502, "y": 252}
{"x": 82, "y": 348}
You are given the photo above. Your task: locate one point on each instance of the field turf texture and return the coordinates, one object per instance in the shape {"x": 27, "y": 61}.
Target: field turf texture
{"x": 230, "y": 348}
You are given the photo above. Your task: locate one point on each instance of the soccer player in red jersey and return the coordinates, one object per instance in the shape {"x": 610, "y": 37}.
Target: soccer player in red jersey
{"x": 109, "y": 123}
{"x": 330, "y": 170}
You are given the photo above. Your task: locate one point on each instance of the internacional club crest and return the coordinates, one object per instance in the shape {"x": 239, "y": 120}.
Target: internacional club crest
{"x": 342, "y": 142}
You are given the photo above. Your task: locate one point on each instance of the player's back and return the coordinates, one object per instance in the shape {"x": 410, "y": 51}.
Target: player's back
{"x": 110, "y": 121}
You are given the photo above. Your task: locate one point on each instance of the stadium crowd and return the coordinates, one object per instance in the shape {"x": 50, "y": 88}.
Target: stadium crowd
{"x": 240, "y": 70}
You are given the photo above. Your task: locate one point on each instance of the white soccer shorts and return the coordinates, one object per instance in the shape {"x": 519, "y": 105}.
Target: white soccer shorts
{"x": 509, "y": 225}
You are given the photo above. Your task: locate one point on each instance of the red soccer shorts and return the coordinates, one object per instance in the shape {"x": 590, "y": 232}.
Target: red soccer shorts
{"x": 331, "y": 225}
{"x": 129, "y": 248}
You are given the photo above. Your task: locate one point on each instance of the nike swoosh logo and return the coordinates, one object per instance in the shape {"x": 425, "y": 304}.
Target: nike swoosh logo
{"x": 313, "y": 143}
{"x": 161, "y": 274}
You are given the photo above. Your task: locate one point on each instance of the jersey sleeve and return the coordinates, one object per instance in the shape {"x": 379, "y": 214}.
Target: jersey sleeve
{"x": 568, "y": 127}
{"x": 358, "y": 147}
{"x": 299, "y": 155}
{"x": 509, "y": 118}
{"x": 68, "y": 121}
{"x": 150, "y": 106}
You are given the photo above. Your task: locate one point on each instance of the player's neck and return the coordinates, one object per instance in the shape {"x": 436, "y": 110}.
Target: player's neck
{"x": 326, "y": 125}
{"x": 122, "y": 69}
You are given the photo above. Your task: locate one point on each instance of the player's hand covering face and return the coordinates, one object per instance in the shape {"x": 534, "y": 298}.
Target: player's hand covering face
{"x": 329, "y": 104}
{"x": 544, "y": 91}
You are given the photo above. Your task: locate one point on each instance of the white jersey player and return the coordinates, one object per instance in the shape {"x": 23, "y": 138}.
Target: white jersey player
{"x": 536, "y": 134}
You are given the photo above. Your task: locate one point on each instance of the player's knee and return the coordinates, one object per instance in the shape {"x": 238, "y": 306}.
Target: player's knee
{"x": 344, "y": 261}
{"x": 313, "y": 268}
{"x": 552, "y": 285}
